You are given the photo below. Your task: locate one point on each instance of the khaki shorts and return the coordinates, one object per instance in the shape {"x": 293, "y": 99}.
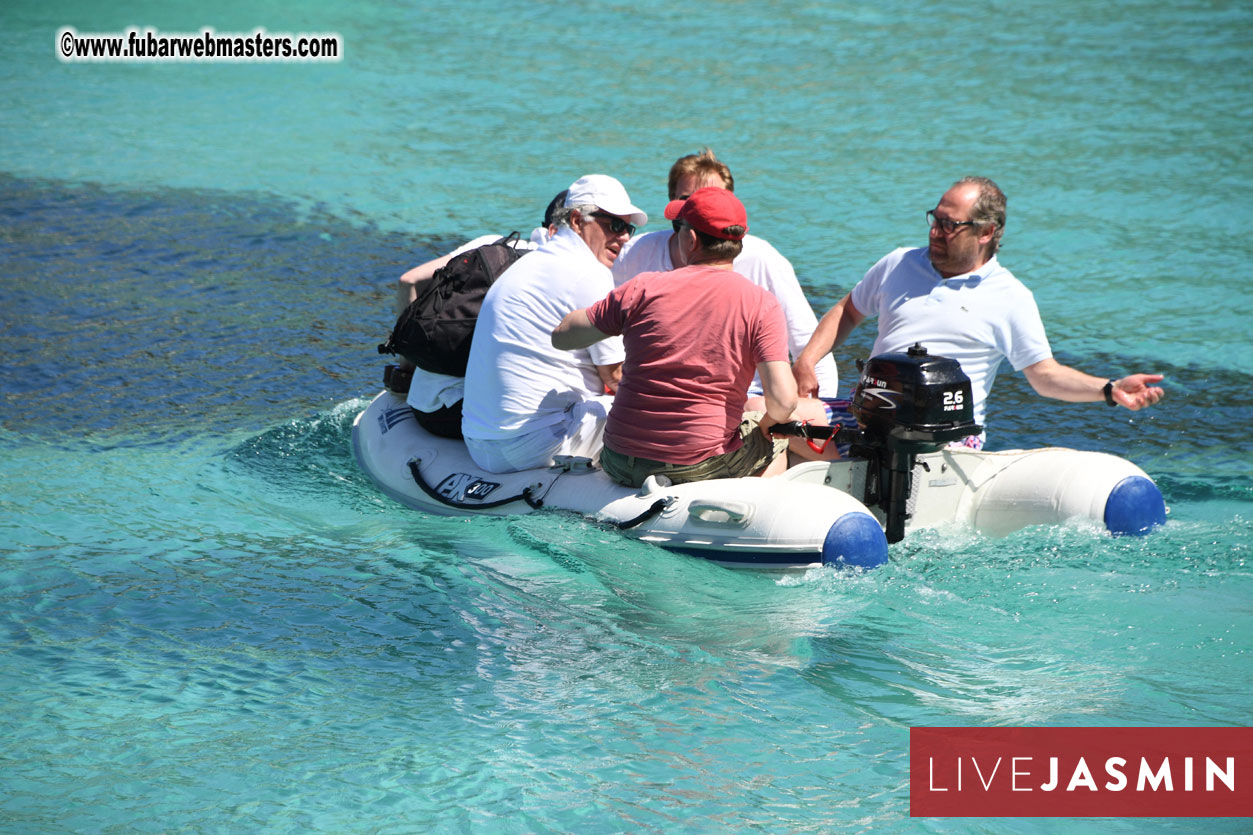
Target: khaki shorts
{"x": 753, "y": 456}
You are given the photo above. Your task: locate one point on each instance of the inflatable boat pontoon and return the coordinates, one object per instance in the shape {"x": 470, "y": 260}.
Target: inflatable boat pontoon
{"x": 900, "y": 476}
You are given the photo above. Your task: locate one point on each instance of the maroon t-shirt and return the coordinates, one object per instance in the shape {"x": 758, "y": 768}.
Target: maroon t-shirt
{"x": 693, "y": 339}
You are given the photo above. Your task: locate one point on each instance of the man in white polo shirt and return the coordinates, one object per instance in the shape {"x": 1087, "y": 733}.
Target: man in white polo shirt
{"x": 525, "y": 401}
{"x": 955, "y": 298}
{"x": 758, "y": 261}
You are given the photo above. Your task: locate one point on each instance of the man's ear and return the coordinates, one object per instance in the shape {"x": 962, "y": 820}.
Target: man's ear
{"x": 986, "y": 238}
{"x": 689, "y": 244}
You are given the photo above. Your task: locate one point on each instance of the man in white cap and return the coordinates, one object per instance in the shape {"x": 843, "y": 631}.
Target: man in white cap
{"x": 694, "y": 338}
{"x": 525, "y": 401}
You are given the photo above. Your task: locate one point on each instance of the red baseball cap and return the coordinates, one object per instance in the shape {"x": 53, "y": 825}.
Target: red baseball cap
{"x": 710, "y": 210}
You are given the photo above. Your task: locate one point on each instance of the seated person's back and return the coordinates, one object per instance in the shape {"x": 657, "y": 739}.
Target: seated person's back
{"x": 694, "y": 339}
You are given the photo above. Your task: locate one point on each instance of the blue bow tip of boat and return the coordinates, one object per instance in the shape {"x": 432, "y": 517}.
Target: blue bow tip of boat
{"x": 1135, "y": 506}
{"x": 855, "y": 539}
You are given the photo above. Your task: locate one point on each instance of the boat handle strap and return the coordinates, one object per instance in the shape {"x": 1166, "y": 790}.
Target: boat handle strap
{"x": 656, "y": 507}
{"x": 527, "y": 495}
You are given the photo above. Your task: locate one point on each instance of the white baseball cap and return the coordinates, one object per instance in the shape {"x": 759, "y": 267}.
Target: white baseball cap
{"x": 606, "y": 194}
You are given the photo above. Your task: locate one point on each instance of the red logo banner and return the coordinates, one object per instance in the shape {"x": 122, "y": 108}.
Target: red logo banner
{"x": 1081, "y": 772}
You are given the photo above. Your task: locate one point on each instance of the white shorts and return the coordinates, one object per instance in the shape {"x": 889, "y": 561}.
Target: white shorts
{"x": 580, "y": 434}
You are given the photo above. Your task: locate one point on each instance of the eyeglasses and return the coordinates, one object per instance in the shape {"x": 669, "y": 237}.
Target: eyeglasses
{"x": 616, "y": 224}
{"x": 948, "y": 226}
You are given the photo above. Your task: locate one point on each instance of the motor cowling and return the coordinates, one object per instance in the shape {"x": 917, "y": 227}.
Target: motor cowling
{"x": 913, "y": 401}
{"x": 907, "y": 404}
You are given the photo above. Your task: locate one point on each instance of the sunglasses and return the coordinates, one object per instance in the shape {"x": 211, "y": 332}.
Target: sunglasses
{"x": 616, "y": 224}
{"x": 947, "y": 225}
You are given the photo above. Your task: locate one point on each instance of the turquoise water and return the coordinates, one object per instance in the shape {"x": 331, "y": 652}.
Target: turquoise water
{"x": 213, "y": 622}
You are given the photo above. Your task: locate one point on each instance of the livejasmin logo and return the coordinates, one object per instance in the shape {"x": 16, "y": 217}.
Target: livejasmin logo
{"x": 1081, "y": 772}
{"x": 1081, "y": 777}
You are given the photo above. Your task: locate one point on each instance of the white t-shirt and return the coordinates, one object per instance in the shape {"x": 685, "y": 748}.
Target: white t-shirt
{"x": 430, "y": 391}
{"x": 978, "y": 319}
{"x": 516, "y": 381}
{"x": 761, "y": 264}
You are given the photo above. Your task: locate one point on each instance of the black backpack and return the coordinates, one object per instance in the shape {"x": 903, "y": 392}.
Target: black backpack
{"x": 434, "y": 331}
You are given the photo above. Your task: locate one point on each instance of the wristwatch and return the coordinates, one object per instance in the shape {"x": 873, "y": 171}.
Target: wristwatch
{"x": 1108, "y": 391}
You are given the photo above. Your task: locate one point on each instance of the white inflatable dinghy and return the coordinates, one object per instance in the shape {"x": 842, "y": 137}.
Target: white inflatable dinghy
{"x": 899, "y": 477}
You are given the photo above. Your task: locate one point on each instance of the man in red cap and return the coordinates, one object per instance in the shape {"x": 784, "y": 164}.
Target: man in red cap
{"x": 694, "y": 337}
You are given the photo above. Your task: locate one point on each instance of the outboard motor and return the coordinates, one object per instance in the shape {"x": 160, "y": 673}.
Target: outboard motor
{"x": 907, "y": 404}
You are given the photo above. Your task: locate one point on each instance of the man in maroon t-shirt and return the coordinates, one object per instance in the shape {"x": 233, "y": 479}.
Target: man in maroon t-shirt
{"x": 694, "y": 338}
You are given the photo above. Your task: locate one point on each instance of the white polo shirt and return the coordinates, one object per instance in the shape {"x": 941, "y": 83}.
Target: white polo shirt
{"x": 761, "y": 264}
{"x": 516, "y": 381}
{"x": 978, "y": 319}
